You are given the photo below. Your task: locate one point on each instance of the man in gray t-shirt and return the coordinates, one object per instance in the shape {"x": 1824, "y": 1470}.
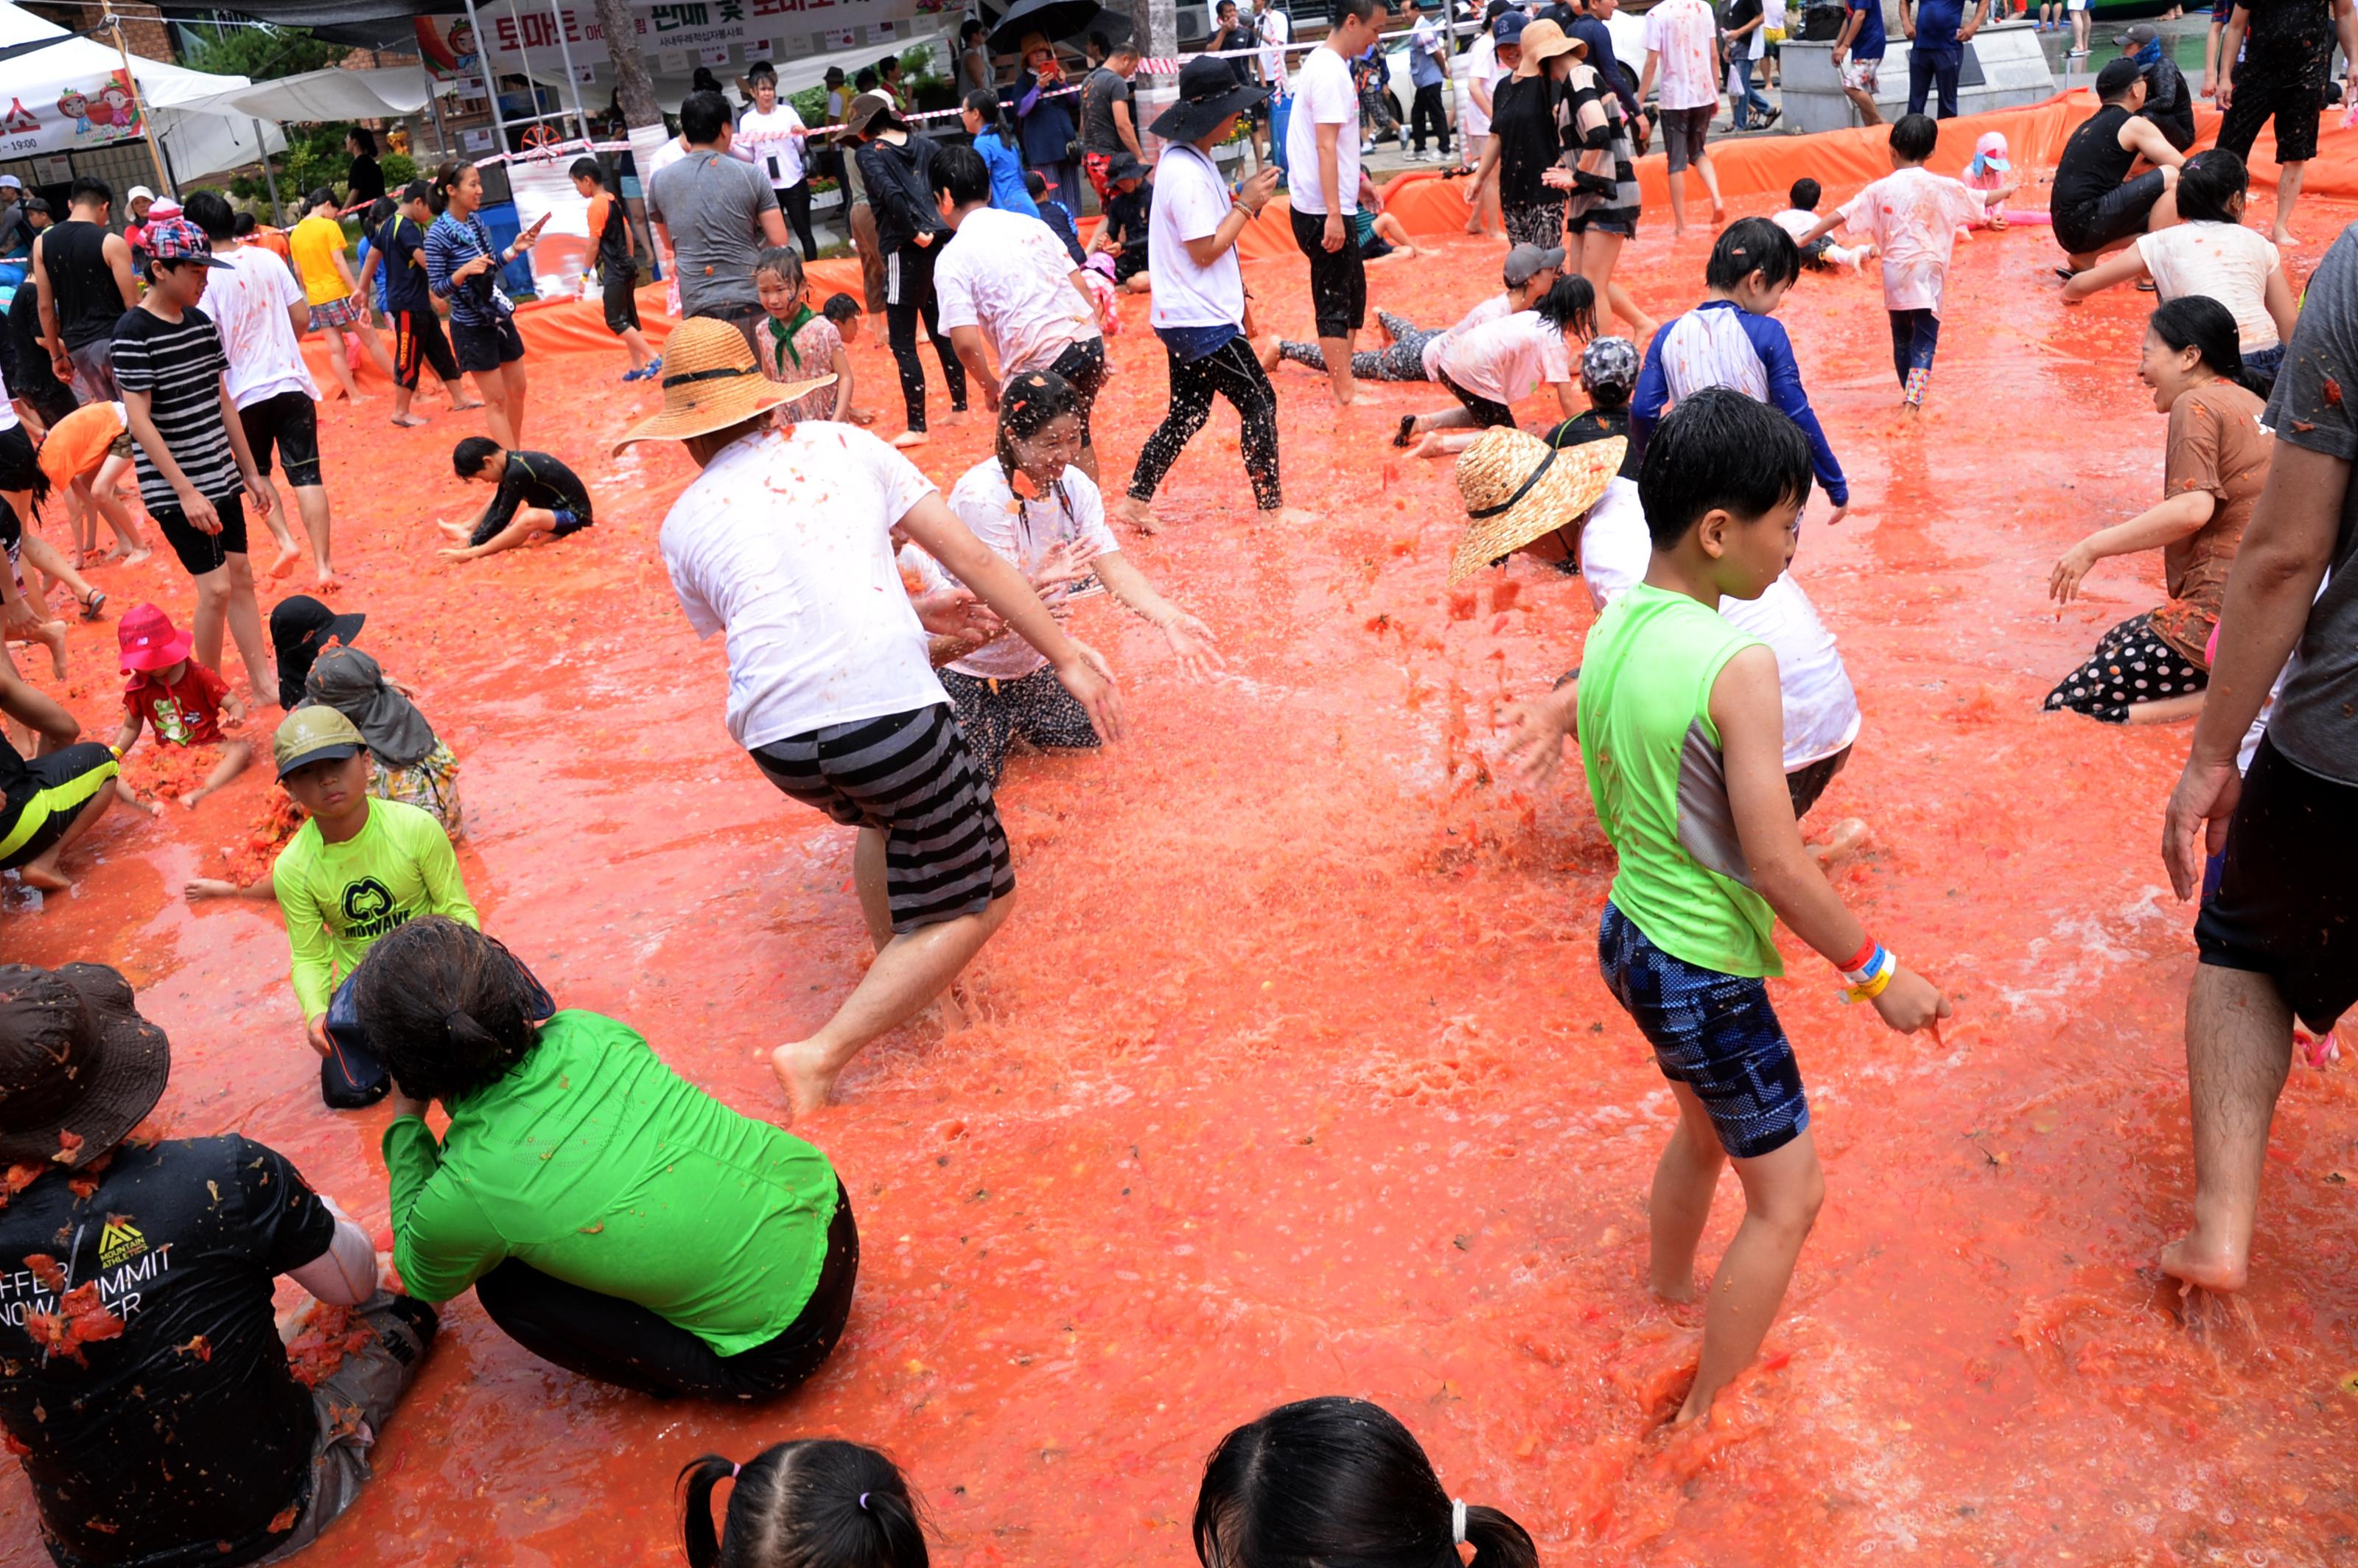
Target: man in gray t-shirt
{"x": 2278, "y": 932}
{"x": 715, "y": 213}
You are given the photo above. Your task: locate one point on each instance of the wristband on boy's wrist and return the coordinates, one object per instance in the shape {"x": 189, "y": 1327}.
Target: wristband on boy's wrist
{"x": 1869, "y": 980}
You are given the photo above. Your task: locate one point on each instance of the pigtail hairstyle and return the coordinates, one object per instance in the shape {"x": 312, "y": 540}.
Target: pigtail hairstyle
{"x": 1570, "y": 306}
{"x": 814, "y": 1503}
{"x": 1339, "y": 1480}
{"x": 1031, "y": 402}
{"x": 2200, "y": 322}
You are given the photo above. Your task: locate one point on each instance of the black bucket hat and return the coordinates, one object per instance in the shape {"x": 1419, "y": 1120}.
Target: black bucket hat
{"x": 1209, "y": 93}
{"x": 299, "y": 627}
{"x": 79, "y": 1067}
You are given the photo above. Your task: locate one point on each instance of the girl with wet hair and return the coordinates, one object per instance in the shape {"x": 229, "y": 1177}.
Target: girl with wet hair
{"x": 612, "y": 1218}
{"x": 816, "y": 1503}
{"x": 1030, "y": 501}
{"x": 1331, "y": 1481}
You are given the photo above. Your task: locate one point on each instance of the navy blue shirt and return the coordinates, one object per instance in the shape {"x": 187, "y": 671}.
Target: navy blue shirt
{"x": 399, "y": 239}
{"x": 1937, "y": 22}
{"x": 1868, "y": 44}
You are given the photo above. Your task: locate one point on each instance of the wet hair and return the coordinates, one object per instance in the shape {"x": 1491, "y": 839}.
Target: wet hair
{"x": 783, "y": 262}
{"x": 1804, "y": 194}
{"x": 1031, "y": 402}
{"x": 2113, "y": 83}
{"x": 1570, "y": 305}
{"x": 589, "y": 168}
{"x": 961, "y": 172}
{"x": 867, "y": 79}
{"x": 839, "y": 309}
{"x": 993, "y": 110}
{"x": 1338, "y": 1481}
{"x": 1913, "y": 136}
{"x": 2208, "y": 184}
{"x": 378, "y": 211}
{"x": 1719, "y": 451}
{"x": 210, "y": 211}
{"x": 814, "y": 1503}
{"x": 418, "y": 190}
{"x": 1750, "y": 245}
{"x": 1354, "y": 10}
{"x": 451, "y": 1010}
{"x": 322, "y": 197}
{"x": 2199, "y": 322}
{"x": 468, "y": 458}
{"x": 89, "y": 188}
{"x": 362, "y": 138}
{"x": 703, "y": 115}
{"x": 246, "y": 224}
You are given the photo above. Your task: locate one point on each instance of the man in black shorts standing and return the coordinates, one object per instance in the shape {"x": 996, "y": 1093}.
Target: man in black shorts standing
{"x": 83, "y": 274}
{"x": 2288, "y": 48}
{"x": 784, "y": 543}
{"x": 196, "y": 472}
{"x": 418, "y": 345}
{"x": 1322, "y": 150}
{"x": 2098, "y": 203}
{"x": 2278, "y": 936}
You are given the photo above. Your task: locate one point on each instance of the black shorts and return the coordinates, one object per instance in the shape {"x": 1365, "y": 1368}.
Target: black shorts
{"x": 2118, "y": 214}
{"x": 2283, "y": 908}
{"x": 1809, "y": 781}
{"x": 201, "y": 552}
{"x": 2295, "y": 106}
{"x": 1487, "y": 414}
{"x": 290, "y": 422}
{"x": 993, "y": 714}
{"x": 1684, "y": 131}
{"x": 68, "y": 778}
{"x": 1083, "y": 366}
{"x": 481, "y": 348}
{"x": 418, "y": 344}
{"x": 1338, "y": 278}
{"x": 1613, "y": 221}
{"x": 622, "y": 299}
{"x": 911, "y": 777}
{"x": 20, "y": 464}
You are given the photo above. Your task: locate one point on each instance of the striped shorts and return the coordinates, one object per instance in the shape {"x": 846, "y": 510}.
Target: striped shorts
{"x": 910, "y": 777}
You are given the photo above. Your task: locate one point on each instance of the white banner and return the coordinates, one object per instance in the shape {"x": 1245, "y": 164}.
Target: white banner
{"x": 783, "y": 29}
{"x": 72, "y": 114}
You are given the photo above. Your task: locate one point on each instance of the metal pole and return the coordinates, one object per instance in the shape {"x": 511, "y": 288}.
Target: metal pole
{"x": 1449, "y": 59}
{"x": 525, "y": 54}
{"x": 572, "y": 81}
{"x": 277, "y": 213}
{"x": 434, "y": 112}
{"x": 491, "y": 77}
{"x": 131, "y": 83}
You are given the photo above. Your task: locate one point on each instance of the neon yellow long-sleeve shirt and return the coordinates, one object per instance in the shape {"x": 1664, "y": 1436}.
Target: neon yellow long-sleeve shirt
{"x": 340, "y": 898}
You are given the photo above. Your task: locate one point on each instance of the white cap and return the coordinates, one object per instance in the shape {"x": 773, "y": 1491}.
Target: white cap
{"x": 10, "y": 182}
{"x": 137, "y": 192}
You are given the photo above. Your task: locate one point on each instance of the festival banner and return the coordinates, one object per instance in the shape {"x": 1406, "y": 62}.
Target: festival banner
{"x": 784, "y": 29}
{"x": 71, "y": 114}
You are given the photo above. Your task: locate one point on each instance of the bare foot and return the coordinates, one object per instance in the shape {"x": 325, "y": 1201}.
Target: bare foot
{"x": 409, "y": 421}
{"x": 454, "y": 530}
{"x": 45, "y": 878}
{"x": 458, "y": 552}
{"x": 1847, "y": 838}
{"x": 1719, "y": 212}
{"x": 1677, "y": 1294}
{"x": 329, "y": 580}
{"x": 809, "y": 1087}
{"x": 957, "y": 418}
{"x": 288, "y": 554}
{"x": 2284, "y": 237}
{"x": 463, "y": 408}
{"x": 2200, "y": 1264}
{"x": 131, "y": 559}
{"x": 1138, "y": 514}
{"x": 51, "y": 634}
{"x": 908, "y": 439}
{"x": 864, "y": 415}
{"x": 1290, "y": 517}
{"x": 1433, "y": 445}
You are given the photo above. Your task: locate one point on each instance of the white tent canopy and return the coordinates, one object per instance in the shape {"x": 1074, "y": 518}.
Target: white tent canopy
{"x": 321, "y": 95}
{"x": 198, "y": 144}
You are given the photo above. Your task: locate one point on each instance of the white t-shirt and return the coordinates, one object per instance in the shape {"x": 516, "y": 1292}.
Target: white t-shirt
{"x": 2224, "y": 261}
{"x": 773, "y": 144}
{"x": 1496, "y": 307}
{"x": 1795, "y": 221}
{"x": 1276, "y": 32}
{"x": 1024, "y": 534}
{"x": 1509, "y": 358}
{"x": 1913, "y": 215}
{"x": 1821, "y": 709}
{"x": 1009, "y": 273}
{"x": 1685, "y": 34}
{"x": 1191, "y": 200}
{"x": 247, "y": 300}
{"x": 1323, "y": 95}
{"x": 784, "y": 543}
{"x": 1482, "y": 66}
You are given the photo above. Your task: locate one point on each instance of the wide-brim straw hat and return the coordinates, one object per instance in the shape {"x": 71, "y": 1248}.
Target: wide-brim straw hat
{"x": 1517, "y": 487}
{"x": 79, "y": 1067}
{"x": 710, "y": 382}
{"x": 1543, "y": 39}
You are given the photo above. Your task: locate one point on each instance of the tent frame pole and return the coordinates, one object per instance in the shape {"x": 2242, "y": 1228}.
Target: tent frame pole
{"x": 490, "y": 76}
{"x": 572, "y": 77}
{"x": 147, "y": 121}
{"x": 277, "y": 213}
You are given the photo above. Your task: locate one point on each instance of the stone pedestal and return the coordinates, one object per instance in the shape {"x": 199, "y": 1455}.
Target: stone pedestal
{"x": 2004, "y": 69}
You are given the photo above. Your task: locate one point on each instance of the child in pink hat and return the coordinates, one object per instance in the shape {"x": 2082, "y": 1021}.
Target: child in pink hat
{"x": 182, "y": 699}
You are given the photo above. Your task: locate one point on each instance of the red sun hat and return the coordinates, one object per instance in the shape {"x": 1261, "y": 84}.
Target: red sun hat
{"x": 149, "y": 640}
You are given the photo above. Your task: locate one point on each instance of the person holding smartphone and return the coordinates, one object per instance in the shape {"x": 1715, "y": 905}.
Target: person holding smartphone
{"x": 462, "y": 266}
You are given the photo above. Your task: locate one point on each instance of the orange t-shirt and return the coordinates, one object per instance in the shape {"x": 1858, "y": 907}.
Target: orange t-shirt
{"x": 79, "y": 443}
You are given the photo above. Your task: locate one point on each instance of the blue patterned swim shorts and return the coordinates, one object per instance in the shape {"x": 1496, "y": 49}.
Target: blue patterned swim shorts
{"x": 1715, "y": 1034}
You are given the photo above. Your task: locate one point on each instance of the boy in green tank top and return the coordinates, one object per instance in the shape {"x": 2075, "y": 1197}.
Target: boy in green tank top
{"x": 1681, "y": 733}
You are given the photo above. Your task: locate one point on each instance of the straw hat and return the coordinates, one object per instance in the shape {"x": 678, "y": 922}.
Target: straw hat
{"x": 710, "y": 382}
{"x": 1517, "y": 487}
{"x": 1543, "y": 39}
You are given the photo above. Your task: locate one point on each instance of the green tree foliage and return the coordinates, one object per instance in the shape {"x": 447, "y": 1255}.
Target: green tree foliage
{"x": 263, "y": 53}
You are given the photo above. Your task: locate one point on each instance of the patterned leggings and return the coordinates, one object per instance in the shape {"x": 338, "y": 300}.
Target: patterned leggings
{"x": 1036, "y": 707}
{"x": 1537, "y": 223}
{"x": 1232, "y": 372}
{"x": 1915, "y": 334}
{"x": 2132, "y": 665}
{"x": 1403, "y": 360}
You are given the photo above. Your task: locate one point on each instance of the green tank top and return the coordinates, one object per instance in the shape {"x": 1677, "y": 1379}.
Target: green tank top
{"x": 1659, "y": 784}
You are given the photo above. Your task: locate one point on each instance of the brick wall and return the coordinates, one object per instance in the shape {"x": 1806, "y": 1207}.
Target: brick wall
{"x": 144, "y": 31}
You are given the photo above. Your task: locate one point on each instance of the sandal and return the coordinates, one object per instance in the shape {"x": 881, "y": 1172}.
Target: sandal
{"x": 1406, "y": 432}
{"x": 93, "y": 605}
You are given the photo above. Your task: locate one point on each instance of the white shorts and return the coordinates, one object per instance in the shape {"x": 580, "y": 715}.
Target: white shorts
{"x": 1859, "y": 75}
{"x": 2075, "y": 4}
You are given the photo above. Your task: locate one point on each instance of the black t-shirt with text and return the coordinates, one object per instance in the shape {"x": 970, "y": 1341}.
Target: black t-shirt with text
{"x": 184, "y": 1439}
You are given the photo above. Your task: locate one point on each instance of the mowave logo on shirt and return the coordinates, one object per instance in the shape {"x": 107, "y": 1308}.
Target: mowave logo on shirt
{"x": 369, "y": 909}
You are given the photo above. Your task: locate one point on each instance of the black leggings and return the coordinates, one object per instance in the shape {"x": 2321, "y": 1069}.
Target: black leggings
{"x": 795, "y": 201}
{"x": 909, "y": 295}
{"x": 614, "y": 1341}
{"x": 1231, "y": 371}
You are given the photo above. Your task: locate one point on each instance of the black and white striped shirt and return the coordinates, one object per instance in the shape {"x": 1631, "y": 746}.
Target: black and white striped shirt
{"x": 179, "y": 364}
